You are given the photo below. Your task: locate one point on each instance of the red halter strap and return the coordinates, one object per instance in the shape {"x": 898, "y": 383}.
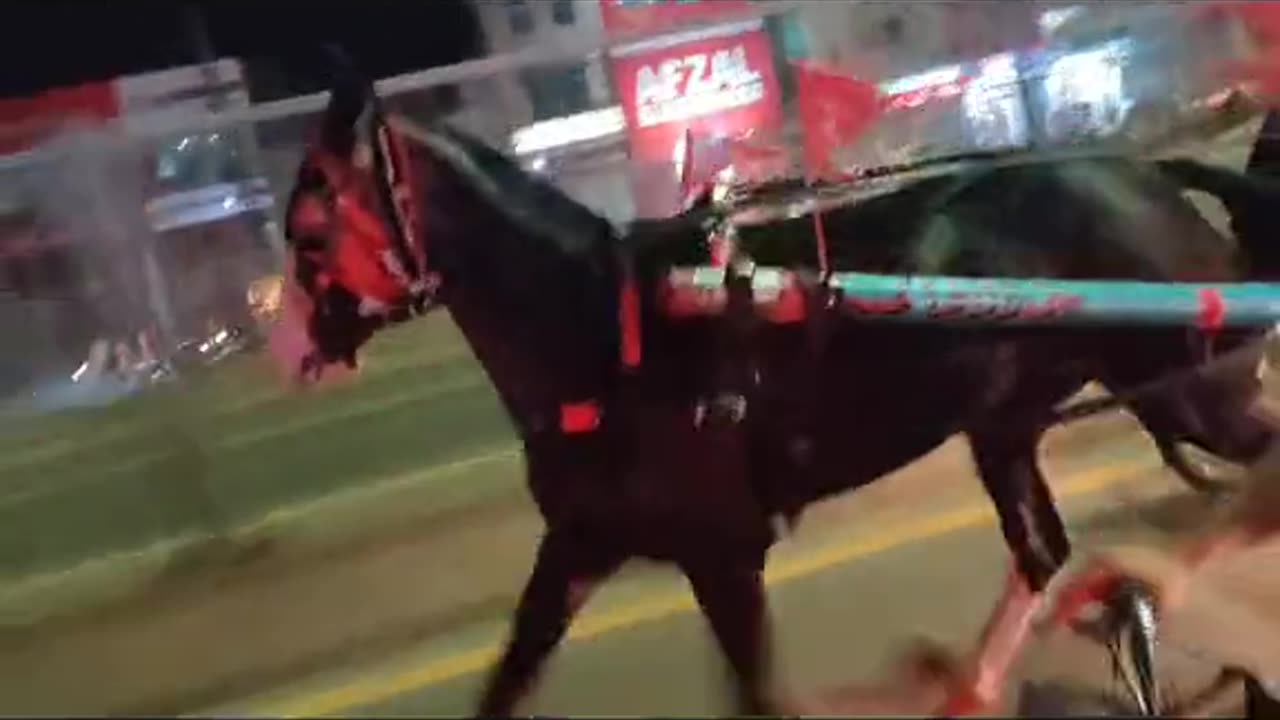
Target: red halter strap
{"x": 580, "y": 417}
{"x": 1213, "y": 311}
{"x": 629, "y": 322}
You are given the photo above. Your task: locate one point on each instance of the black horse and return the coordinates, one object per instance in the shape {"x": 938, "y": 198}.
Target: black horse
{"x": 533, "y": 281}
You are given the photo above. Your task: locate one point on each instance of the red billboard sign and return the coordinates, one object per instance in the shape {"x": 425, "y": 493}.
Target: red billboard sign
{"x": 623, "y": 17}
{"x": 708, "y": 87}
{"x": 716, "y": 87}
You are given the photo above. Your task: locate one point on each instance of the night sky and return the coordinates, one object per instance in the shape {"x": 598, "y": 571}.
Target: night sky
{"x": 50, "y": 43}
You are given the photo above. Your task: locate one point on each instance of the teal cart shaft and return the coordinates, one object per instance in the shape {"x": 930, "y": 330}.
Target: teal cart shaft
{"x": 1006, "y": 301}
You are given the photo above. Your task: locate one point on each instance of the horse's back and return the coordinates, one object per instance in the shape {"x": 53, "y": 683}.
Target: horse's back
{"x": 1086, "y": 218}
{"x": 1108, "y": 218}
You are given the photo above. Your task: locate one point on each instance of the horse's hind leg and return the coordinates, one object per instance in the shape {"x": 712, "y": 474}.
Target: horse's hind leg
{"x": 732, "y": 597}
{"x": 1007, "y": 463}
{"x": 564, "y": 574}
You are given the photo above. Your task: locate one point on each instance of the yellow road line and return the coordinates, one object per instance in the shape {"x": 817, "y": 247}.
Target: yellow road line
{"x": 367, "y": 691}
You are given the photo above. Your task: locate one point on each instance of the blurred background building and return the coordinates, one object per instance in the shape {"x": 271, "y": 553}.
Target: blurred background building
{"x": 100, "y": 233}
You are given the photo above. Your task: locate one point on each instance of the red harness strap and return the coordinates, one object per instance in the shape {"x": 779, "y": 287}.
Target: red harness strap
{"x": 580, "y": 417}
{"x": 629, "y": 320}
{"x": 1213, "y": 311}
{"x": 404, "y": 185}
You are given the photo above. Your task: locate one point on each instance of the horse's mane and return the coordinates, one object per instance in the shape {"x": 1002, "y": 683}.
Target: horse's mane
{"x": 529, "y": 201}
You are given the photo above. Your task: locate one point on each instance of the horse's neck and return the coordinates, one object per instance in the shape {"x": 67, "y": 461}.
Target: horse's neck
{"x": 534, "y": 371}
{"x": 516, "y": 382}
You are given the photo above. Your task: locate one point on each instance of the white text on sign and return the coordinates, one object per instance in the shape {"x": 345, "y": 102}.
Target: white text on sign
{"x": 695, "y": 85}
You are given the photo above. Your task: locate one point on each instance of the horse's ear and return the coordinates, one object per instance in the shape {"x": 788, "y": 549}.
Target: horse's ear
{"x": 346, "y": 74}
{"x": 350, "y": 91}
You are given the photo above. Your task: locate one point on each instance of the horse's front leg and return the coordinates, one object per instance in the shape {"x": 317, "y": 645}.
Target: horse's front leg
{"x": 565, "y": 573}
{"x": 1037, "y": 538}
{"x": 732, "y": 597}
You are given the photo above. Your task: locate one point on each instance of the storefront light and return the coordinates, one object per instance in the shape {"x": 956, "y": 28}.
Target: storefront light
{"x": 1090, "y": 77}
{"x": 1051, "y": 20}
{"x": 568, "y": 129}
{"x": 998, "y": 69}
{"x": 993, "y": 103}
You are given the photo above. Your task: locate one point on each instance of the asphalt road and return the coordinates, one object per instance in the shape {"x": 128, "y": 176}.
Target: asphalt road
{"x": 916, "y": 555}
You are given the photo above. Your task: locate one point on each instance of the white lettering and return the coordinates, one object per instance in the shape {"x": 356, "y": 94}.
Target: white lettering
{"x": 670, "y": 73}
{"x": 722, "y": 68}
{"x": 648, "y": 87}
{"x": 689, "y": 87}
{"x": 698, "y": 106}
{"x": 698, "y": 78}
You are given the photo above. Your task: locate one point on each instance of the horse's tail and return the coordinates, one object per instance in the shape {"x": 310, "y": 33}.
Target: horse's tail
{"x": 1251, "y": 197}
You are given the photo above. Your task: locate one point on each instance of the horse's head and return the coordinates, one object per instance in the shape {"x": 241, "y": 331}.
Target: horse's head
{"x": 354, "y": 229}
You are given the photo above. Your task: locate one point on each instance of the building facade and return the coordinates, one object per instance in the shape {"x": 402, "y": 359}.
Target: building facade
{"x": 561, "y": 120}
{"x": 110, "y": 234}
{"x": 884, "y": 40}
{"x": 554, "y": 91}
{"x": 952, "y": 71}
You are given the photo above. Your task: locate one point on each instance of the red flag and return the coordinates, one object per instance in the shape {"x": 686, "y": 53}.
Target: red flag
{"x": 1263, "y": 18}
{"x": 1261, "y": 72}
{"x": 835, "y": 109}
